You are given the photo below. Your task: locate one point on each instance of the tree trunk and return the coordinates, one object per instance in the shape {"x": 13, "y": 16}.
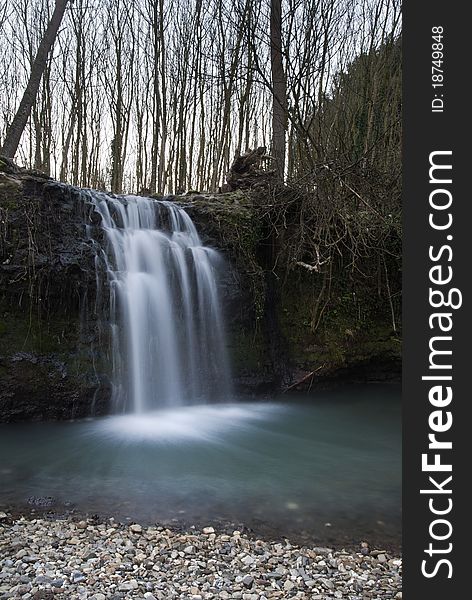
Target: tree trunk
{"x": 279, "y": 89}
{"x": 18, "y": 124}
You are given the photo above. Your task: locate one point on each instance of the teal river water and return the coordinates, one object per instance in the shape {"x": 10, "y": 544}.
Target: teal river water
{"x": 325, "y": 468}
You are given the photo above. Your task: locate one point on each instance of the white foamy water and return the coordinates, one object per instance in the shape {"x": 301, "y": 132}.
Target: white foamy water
{"x": 193, "y": 423}
{"x": 168, "y": 339}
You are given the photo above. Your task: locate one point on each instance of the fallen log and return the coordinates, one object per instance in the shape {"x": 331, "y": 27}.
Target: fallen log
{"x": 303, "y": 380}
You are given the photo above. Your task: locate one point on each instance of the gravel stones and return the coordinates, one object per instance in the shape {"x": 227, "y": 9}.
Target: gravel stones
{"x": 85, "y": 560}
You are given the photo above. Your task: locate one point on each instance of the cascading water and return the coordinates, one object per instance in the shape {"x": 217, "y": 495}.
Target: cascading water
{"x": 167, "y": 331}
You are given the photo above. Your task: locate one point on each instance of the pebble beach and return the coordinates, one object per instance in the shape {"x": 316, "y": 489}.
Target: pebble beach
{"x": 76, "y": 560}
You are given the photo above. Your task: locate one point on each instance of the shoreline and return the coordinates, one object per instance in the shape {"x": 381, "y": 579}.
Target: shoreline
{"x": 337, "y": 537}
{"x": 78, "y": 558}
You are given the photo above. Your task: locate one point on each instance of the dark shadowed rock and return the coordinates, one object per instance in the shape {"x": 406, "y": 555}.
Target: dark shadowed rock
{"x": 50, "y": 353}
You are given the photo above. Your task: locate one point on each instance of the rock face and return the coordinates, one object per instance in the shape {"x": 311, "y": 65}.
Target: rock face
{"x": 54, "y": 349}
{"x": 271, "y": 310}
{"x": 49, "y": 334}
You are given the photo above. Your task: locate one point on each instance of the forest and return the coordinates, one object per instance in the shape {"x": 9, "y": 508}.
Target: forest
{"x": 161, "y": 95}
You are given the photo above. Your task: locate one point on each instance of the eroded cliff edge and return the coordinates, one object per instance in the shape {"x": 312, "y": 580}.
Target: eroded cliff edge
{"x": 54, "y": 351}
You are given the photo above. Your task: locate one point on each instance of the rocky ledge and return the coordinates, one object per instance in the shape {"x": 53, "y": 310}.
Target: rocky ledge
{"x": 54, "y": 334}
{"x": 42, "y": 559}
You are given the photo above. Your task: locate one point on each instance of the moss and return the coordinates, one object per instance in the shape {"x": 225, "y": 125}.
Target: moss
{"x": 353, "y": 328}
{"x": 27, "y": 333}
{"x": 10, "y": 192}
{"x": 248, "y": 351}
{"x": 8, "y": 202}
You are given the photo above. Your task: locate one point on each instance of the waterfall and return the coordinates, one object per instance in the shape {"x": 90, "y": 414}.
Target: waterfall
{"x": 167, "y": 332}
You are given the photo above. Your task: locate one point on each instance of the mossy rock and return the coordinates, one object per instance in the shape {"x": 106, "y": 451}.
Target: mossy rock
{"x": 10, "y": 192}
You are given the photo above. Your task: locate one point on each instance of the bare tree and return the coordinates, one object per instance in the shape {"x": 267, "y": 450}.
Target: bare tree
{"x": 15, "y": 131}
{"x": 279, "y": 88}
{"x": 159, "y": 95}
